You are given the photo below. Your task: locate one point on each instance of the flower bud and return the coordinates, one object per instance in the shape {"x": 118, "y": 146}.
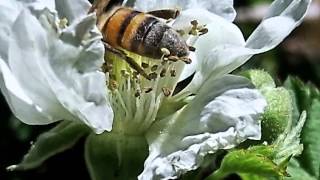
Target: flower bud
{"x": 259, "y": 78}
{"x": 278, "y": 113}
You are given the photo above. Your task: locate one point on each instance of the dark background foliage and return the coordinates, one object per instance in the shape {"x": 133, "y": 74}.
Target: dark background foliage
{"x": 298, "y": 55}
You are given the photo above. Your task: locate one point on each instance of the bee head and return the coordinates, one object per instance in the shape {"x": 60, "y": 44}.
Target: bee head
{"x": 176, "y": 45}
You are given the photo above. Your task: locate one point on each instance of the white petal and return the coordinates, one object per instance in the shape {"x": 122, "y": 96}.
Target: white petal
{"x": 221, "y": 33}
{"x": 20, "y": 104}
{"x": 26, "y": 48}
{"x": 9, "y": 12}
{"x": 222, "y": 8}
{"x": 72, "y": 9}
{"x": 61, "y": 75}
{"x": 273, "y": 29}
{"x": 222, "y": 115}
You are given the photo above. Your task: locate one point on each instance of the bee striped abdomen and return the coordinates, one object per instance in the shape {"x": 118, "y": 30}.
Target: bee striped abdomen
{"x": 127, "y": 29}
{"x": 115, "y": 27}
{"x": 141, "y": 33}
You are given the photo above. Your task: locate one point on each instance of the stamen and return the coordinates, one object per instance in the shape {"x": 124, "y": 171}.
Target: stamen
{"x": 138, "y": 93}
{"x": 125, "y": 74}
{"x": 186, "y": 60}
{"x": 63, "y": 23}
{"x": 197, "y": 30}
{"x": 165, "y": 51}
{"x": 164, "y": 61}
{"x": 153, "y": 76}
{"x": 173, "y": 73}
{"x": 166, "y": 91}
{"x": 135, "y": 75}
{"x": 113, "y": 85}
{"x": 191, "y": 48}
{"x": 147, "y": 90}
{"x": 154, "y": 68}
{"x": 173, "y": 58}
{"x": 144, "y": 65}
{"x": 163, "y": 72}
{"x": 194, "y": 28}
{"x": 203, "y": 31}
{"x": 106, "y": 67}
{"x": 194, "y": 23}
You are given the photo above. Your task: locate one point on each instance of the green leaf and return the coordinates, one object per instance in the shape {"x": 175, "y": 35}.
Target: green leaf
{"x": 303, "y": 93}
{"x": 296, "y": 172}
{"x": 48, "y": 144}
{"x": 310, "y": 159}
{"x": 115, "y": 156}
{"x": 247, "y": 162}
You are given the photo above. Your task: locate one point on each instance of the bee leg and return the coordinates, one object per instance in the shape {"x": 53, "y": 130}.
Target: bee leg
{"x": 165, "y": 13}
{"x": 128, "y": 59}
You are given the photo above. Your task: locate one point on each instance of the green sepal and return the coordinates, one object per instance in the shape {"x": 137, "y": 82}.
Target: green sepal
{"x": 115, "y": 156}
{"x": 259, "y": 78}
{"x": 288, "y": 144}
{"x": 62, "y": 137}
{"x": 251, "y": 162}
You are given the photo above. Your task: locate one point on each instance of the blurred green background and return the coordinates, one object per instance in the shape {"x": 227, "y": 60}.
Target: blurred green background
{"x": 298, "y": 55}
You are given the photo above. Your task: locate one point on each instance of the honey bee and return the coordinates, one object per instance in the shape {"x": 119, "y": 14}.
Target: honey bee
{"x": 142, "y": 33}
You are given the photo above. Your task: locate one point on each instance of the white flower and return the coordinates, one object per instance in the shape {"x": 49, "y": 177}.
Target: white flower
{"x": 199, "y": 129}
{"x": 214, "y": 111}
{"x": 50, "y": 69}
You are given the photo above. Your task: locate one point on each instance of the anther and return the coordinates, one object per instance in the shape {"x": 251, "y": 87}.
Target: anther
{"x": 154, "y": 68}
{"x": 144, "y": 65}
{"x": 194, "y": 23}
{"x": 153, "y": 76}
{"x": 203, "y": 31}
{"x": 165, "y": 51}
{"x": 125, "y": 74}
{"x": 191, "y": 48}
{"x": 135, "y": 74}
{"x": 163, "y": 72}
{"x": 186, "y": 60}
{"x": 173, "y": 58}
{"x": 173, "y": 73}
{"x": 147, "y": 90}
{"x": 113, "y": 84}
{"x": 63, "y": 23}
{"x": 166, "y": 91}
{"x": 194, "y": 28}
{"x": 137, "y": 93}
{"x": 106, "y": 67}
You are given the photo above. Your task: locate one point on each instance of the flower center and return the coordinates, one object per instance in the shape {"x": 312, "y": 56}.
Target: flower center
{"x": 136, "y": 98}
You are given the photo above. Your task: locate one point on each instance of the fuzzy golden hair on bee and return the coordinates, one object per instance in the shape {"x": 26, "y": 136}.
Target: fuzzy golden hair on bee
{"x": 138, "y": 32}
{"x": 143, "y": 33}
